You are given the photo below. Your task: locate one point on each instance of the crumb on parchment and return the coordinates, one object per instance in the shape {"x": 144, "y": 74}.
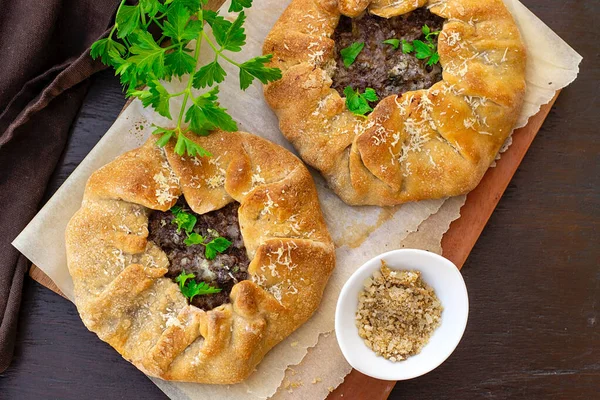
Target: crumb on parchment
{"x": 291, "y": 385}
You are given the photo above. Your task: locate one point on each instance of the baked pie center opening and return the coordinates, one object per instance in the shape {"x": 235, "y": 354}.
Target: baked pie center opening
{"x": 379, "y": 65}
{"x": 223, "y": 271}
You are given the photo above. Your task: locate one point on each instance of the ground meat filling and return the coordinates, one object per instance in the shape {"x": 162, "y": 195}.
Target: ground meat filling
{"x": 224, "y": 271}
{"x": 379, "y": 65}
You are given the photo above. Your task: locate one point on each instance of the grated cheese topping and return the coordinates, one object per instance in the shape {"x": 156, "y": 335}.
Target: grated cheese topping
{"x": 268, "y": 205}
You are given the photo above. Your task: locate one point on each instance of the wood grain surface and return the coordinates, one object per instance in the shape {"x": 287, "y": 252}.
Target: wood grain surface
{"x": 533, "y": 276}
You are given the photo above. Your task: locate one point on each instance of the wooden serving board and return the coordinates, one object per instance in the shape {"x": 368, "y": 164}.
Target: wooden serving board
{"x": 456, "y": 243}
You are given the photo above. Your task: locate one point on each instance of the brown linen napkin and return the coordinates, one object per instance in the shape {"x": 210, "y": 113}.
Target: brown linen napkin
{"x": 45, "y": 63}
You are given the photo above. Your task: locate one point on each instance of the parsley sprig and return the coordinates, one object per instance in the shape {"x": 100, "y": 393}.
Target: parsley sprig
{"x": 186, "y": 221}
{"x": 350, "y": 53}
{"x": 395, "y": 43}
{"x": 423, "y": 49}
{"x": 183, "y": 220}
{"x": 190, "y": 288}
{"x": 358, "y": 103}
{"x": 142, "y": 63}
{"x": 211, "y": 248}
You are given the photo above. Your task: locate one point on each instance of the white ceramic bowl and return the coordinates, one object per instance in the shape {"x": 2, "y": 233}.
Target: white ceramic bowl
{"x": 439, "y": 273}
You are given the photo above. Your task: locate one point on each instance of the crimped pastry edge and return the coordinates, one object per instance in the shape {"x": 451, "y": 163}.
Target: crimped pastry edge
{"x": 120, "y": 289}
{"x": 425, "y": 144}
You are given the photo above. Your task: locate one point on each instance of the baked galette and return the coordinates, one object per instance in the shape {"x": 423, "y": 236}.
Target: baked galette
{"x": 194, "y": 268}
{"x": 444, "y": 79}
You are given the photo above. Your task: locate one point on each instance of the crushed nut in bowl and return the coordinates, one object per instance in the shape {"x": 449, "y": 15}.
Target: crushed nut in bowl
{"x": 401, "y": 314}
{"x": 397, "y": 313}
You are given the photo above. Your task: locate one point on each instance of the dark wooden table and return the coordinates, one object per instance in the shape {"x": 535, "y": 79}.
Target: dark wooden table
{"x": 533, "y": 277}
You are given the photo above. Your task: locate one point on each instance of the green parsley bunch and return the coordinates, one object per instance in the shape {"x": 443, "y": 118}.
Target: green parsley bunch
{"x": 143, "y": 62}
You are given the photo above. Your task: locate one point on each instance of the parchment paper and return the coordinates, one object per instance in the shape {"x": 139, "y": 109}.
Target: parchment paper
{"x": 552, "y": 65}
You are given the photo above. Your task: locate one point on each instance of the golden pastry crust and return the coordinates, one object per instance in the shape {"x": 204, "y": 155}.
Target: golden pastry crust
{"x": 120, "y": 288}
{"x": 424, "y": 144}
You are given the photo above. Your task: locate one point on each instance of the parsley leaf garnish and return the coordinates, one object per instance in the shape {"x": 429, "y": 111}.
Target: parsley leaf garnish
{"x": 178, "y": 25}
{"x": 187, "y": 222}
{"x": 239, "y": 5}
{"x": 190, "y": 288}
{"x": 193, "y": 289}
{"x": 182, "y": 278}
{"x": 217, "y": 245}
{"x": 183, "y": 220}
{"x": 208, "y": 75}
{"x": 142, "y": 61}
{"x": 148, "y": 57}
{"x": 166, "y": 135}
{"x": 350, "y": 53}
{"x": 235, "y": 37}
{"x": 205, "y": 114}
{"x": 211, "y": 248}
{"x": 370, "y": 95}
{"x": 156, "y": 96}
{"x": 179, "y": 63}
{"x": 128, "y": 18}
{"x": 105, "y": 49}
{"x": 255, "y": 68}
{"x": 358, "y": 103}
{"x": 426, "y": 30}
{"x": 187, "y": 145}
{"x": 194, "y": 238}
{"x": 395, "y": 43}
{"x": 424, "y": 50}
{"x": 407, "y": 47}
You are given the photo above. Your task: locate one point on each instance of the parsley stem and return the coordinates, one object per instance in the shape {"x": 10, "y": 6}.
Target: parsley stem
{"x": 189, "y": 85}
{"x": 143, "y": 17}
{"x": 156, "y": 21}
{"x": 114, "y": 28}
{"x": 112, "y": 31}
{"x": 219, "y": 52}
{"x": 185, "y": 99}
{"x": 173, "y": 46}
{"x": 230, "y": 60}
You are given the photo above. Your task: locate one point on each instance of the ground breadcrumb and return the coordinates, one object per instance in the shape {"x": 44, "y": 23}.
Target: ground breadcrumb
{"x": 397, "y": 313}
